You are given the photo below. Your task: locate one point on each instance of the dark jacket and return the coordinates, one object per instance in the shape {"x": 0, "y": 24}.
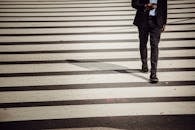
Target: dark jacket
{"x": 142, "y": 15}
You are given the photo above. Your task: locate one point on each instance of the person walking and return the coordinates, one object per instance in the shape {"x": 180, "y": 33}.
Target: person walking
{"x": 150, "y": 18}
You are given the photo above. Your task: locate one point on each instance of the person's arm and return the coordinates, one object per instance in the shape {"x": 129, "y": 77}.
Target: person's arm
{"x": 137, "y": 5}
{"x": 164, "y": 14}
{"x": 140, "y": 6}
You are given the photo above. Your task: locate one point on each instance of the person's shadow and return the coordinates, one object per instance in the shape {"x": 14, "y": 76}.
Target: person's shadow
{"x": 96, "y": 65}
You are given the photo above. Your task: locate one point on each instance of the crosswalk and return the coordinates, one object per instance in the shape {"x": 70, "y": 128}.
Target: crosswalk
{"x": 75, "y": 65}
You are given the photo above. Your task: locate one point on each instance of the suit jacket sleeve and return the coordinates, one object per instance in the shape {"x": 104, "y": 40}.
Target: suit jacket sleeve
{"x": 164, "y": 12}
{"x": 137, "y": 5}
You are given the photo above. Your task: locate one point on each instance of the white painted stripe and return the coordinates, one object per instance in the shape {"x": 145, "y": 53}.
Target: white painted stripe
{"x": 90, "y": 9}
{"x": 83, "y": 1}
{"x": 62, "y": 2}
{"x": 80, "y": 16}
{"x": 179, "y": 1}
{"x": 181, "y": 10}
{"x": 69, "y": 30}
{"x": 90, "y": 5}
{"x": 129, "y": 12}
{"x": 43, "y": 24}
{"x": 65, "y": 9}
{"x": 58, "y": 67}
{"x": 99, "y": 93}
{"x": 181, "y": 5}
{"x": 123, "y": 10}
{"x": 65, "y": 18}
{"x": 101, "y": 110}
{"x": 94, "y": 78}
{"x": 72, "y": 37}
{"x": 90, "y": 37}
{"x": 88, "y": 30}
{"x": 87, "y": 0}
{"x": 186, "y": 15}
{"x": 79, "y": 46}
{"x": 179, "y": 27}
{"x": 89, "y": 46}
{"x": 77, "y": 29}
{"x": 87, "y": 6}
{"x": 69, "y": 14}
{"x": 66, "y": 5}
{"x": 87, "y": 23}
{"x": 91, "y": 55}
{"x": 46, "y": 68}
{"x": 184, "y": 20}
{"x": 55, "y": 0}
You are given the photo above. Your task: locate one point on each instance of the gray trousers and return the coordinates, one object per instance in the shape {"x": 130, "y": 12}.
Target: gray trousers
{"x": 154, "y": 32}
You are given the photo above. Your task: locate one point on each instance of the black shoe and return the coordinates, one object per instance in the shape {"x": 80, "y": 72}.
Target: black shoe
{"x": 144, "y": 68}
{"x": 153, "y": 78}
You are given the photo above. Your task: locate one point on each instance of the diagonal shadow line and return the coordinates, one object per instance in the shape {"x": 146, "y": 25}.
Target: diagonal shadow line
{"x": 132, "y": 73}
{"x": 108, "y": 65}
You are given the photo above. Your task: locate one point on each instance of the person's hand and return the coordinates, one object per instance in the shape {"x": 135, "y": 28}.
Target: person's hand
{"x": 163, "y": 28}
{"x": 150, "y": 6}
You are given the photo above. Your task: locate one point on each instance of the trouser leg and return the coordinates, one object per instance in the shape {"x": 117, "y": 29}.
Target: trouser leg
{"x": 143, "y": 39}
{"x": 154, "y": 42}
